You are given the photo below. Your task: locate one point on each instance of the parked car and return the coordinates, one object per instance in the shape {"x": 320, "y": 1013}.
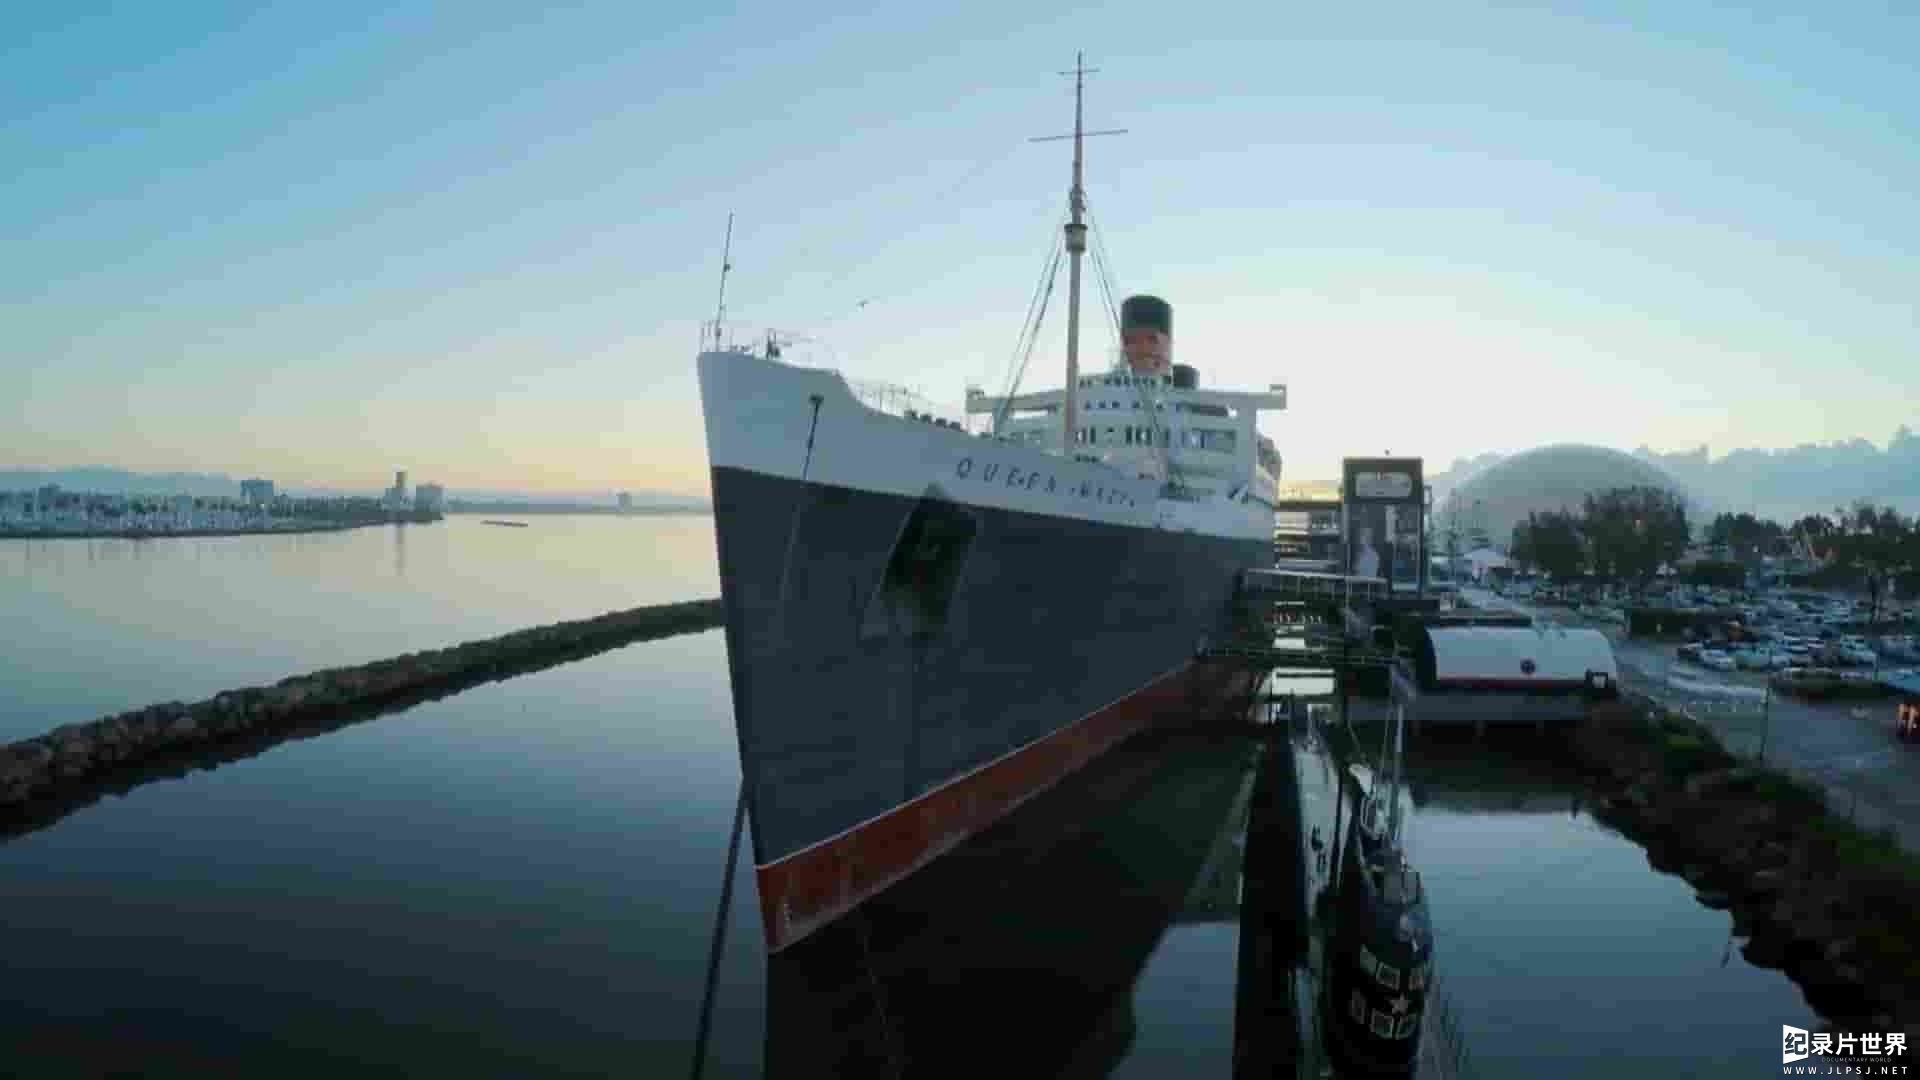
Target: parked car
{"x": 1806, "y": 680}
{"x": 1858, "y": 654}
{"x": 1716, "y": 660}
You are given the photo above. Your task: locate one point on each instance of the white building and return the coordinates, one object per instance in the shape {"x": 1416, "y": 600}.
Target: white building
{"x": 1477, "y": 563}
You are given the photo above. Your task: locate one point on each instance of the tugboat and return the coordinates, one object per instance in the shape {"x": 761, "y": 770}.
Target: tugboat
{"x": 1380, "y": 957}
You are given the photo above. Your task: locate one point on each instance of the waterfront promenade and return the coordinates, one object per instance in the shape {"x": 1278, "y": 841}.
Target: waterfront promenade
{"x": 1847, "y": 748}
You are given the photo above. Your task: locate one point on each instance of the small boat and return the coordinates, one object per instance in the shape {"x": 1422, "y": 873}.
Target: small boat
{"x": 505, "y": 524}
{"x": 1380, "y": 963}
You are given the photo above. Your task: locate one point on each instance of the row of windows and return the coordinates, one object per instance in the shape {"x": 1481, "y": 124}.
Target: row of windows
{"x": 1127, "y": 380}
{"x": 1384, "y": 1024}
{"x": 1212, "y": 439}
{"x": 1161, "y": 406}
{"x": 1189, "y": 439}
{"x": 1388, "y": 975}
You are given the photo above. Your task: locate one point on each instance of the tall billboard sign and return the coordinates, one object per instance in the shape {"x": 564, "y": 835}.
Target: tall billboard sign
{"x": 1384, "y": 504}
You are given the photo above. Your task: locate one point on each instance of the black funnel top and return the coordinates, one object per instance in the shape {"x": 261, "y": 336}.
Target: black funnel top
{"x": 1147, "y": 311}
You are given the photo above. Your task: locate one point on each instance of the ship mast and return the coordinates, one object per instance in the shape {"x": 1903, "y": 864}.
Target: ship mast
{"x": 726, "y": 264}
{"x": 1076, "y": 247}
{"x": 1076, "y": 242}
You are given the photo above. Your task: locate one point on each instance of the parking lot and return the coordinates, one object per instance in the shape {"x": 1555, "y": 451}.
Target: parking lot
{"x": 1849, "y": 748}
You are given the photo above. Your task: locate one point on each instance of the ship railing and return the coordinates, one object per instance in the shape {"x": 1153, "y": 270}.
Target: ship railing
{"x": 896, "y": 400}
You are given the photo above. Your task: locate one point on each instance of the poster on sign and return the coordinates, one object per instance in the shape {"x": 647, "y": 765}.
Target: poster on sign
{"x": 1384, "y": 500}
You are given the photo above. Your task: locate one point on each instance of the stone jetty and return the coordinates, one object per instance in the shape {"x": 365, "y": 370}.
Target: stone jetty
{"x": 1835, "y": 908}
{"x": 76, "y": 763}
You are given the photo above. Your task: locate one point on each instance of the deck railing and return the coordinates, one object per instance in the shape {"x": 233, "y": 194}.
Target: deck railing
{"x": 897, "y": 400}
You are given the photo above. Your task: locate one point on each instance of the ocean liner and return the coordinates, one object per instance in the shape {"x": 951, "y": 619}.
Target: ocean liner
{"x": 926, "y": 624}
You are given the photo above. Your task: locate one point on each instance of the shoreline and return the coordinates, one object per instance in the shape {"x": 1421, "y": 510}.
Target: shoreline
{"x": 176, "y": 534}
{"x": 43, "y": 778}
{"x": 1826, "y": 902}
{"x": 188, "y": 534}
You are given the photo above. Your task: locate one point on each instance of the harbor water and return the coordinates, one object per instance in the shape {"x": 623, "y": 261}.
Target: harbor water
{"x": 523, "y": 879}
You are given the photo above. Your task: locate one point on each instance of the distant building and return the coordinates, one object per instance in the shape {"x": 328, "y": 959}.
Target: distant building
{"x": 430, "y": 498}
{"x": 256, "y": 492}
{"x": 183, "y": 511}
{"x": 396, "y": 497}
{"x": 1489, "y": 504}
{"x": 625, "y": 499}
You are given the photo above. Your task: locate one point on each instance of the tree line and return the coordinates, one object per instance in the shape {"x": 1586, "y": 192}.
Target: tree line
{"x": 1628, "y": 534}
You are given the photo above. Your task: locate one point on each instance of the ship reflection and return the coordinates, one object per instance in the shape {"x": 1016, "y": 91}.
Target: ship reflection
{"x": 1017, "y": 953}
{"x": 1020, "y": 952}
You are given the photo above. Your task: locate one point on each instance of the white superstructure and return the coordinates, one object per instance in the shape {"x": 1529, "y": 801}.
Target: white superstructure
{"x": 1201, "y": 446}
{"x": 1140, "y": 445}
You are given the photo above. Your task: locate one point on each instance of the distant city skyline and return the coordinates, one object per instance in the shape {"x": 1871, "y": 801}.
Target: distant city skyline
{"x": 99, "y": 479}
{"x": 1811, "y": 474}
{"x": 307, "y": 243}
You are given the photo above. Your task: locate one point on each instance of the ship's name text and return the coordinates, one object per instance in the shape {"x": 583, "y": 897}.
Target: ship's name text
{"x": 994, "y": 472}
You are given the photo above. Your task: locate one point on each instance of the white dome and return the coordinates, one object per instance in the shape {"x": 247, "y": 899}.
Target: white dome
{"x": 1558, "y": 477}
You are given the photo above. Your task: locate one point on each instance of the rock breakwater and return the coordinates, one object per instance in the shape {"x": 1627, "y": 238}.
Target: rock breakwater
{"x": 76, "y": 763}
{"x": 1836, "y": 908}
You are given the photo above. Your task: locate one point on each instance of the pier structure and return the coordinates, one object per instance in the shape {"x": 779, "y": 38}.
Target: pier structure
{"x": 1307, "y": 529}
{"x": 1451, "y": 669}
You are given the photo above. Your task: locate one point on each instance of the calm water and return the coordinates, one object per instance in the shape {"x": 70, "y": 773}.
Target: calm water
{"x": 100, "y": 625}
{"x": 523, "y": 879}
{"x": 1555, "y": 940}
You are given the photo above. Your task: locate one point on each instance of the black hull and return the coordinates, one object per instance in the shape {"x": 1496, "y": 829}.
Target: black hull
{"x": 1371, "y": 967}
{"x": 863, "y": 677}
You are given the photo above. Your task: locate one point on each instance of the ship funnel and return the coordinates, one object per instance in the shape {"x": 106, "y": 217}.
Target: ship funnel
{"x": 1146, "y": 335}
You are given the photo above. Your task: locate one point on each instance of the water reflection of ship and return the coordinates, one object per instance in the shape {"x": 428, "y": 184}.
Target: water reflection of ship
{"x": 1018, "y": 952}
{"x": 1378, "y": 951}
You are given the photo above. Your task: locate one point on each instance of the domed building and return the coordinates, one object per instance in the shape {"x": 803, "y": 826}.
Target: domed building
{"x": 1558, "y": 477}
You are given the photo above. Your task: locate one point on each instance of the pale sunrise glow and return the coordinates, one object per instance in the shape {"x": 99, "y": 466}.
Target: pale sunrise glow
{"x": 477, "y": 241}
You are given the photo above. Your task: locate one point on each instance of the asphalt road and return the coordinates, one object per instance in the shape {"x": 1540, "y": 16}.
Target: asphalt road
{"x": 1848, "y": 748}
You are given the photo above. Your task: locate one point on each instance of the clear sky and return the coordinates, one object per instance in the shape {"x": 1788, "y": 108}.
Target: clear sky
{"x": 476, "y": 240}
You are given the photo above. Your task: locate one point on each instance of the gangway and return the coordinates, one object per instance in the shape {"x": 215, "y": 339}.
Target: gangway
{"x": 1311, "y": 566}
{"x": 1299, "y": 657}
{"x": 1299, "y": 584}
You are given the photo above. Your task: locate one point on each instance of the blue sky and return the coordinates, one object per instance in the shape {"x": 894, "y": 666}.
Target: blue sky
{"x": 320, "y": 242}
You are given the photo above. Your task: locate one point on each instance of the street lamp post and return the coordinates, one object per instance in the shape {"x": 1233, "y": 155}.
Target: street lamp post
{"x": 1766, "y": 719}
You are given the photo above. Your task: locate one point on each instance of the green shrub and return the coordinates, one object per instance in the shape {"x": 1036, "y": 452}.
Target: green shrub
{"x": 1891, "y": 945}
{"x": 1687, "y": 754}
